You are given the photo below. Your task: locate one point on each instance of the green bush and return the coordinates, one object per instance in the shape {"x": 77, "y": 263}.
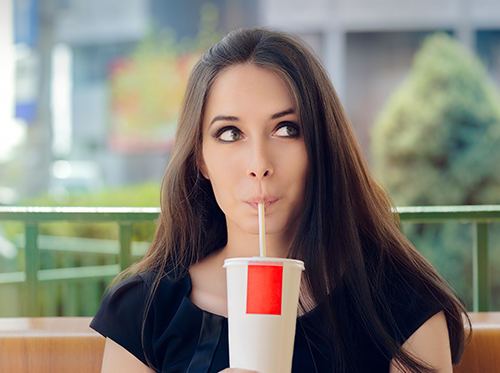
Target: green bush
{"x": 79, "y": 297}
{"x": 137, "y": 195}
{"x": 437, "y": 142}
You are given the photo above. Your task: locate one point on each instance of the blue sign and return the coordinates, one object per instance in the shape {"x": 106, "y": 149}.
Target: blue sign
{"x": 26, "y": 24}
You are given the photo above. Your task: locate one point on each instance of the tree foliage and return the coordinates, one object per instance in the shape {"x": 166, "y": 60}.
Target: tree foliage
{"x": 437, "y": 141}
{"x": 146, "y": 194}
{"x": 147, "y": 88}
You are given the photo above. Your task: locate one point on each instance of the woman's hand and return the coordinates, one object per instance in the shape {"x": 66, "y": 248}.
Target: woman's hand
{"x": 237, "y": 370}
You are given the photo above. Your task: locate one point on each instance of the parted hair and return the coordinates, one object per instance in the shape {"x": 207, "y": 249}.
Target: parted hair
{"x": 349, "y": 237}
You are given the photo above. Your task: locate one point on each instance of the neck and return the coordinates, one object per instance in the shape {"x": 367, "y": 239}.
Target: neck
{"x": 244, "y": 244}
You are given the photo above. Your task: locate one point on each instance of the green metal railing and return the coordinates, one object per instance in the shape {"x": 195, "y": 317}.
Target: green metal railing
{"x": 479, "y": 216}
{"x": 33, "y": 216}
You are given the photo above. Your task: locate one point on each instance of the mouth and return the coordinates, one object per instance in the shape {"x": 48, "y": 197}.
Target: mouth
{"x": 267, "y": 201}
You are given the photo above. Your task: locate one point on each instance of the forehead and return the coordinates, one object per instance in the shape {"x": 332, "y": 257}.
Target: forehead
{"x": 248, "y": 87}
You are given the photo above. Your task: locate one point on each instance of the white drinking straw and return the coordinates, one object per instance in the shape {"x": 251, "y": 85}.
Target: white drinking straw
{"x": 262, "y": 231}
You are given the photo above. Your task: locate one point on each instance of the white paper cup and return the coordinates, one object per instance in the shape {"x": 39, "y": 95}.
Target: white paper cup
{"x": 262, "y": 298}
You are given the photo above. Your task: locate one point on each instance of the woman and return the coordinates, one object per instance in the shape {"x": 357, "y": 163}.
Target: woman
{"x": 261, "y": 123}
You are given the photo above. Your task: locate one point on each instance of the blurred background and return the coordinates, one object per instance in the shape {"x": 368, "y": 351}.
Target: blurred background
{"x": 90, "y": 91}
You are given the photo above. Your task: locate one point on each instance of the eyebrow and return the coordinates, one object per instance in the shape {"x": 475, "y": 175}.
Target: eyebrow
{"x": 227, "y": 118}
{"x": 230, "y": 118}
{"x": 282, "y": 113}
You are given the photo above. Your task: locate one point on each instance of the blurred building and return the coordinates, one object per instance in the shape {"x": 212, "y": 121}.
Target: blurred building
{"x": 74, "y": 45}
{"x": 368, "y": 45}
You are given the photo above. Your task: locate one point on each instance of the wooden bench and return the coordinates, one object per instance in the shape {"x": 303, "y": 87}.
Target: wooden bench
{"x": 67, "y": 344}
{"x": 483, "y": 353}
{"x": 49, "y": 345}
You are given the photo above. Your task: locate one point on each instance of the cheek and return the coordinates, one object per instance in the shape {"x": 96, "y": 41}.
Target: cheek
{"x": 301, "y": 186}
{"x": 221, "y": 164}
{"x": 225, "y": 190}
{"x": 210, "y": 162}
{"x": 221, "y": 175}
{"x": 300, "y": 175}
{"x": 297, "y": 166}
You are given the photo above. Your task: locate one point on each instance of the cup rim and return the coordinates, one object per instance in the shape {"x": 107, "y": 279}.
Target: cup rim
{"x": 259, "y": 259}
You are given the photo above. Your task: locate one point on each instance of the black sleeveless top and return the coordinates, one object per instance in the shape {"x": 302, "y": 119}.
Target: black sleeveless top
{"x": 180, "y": 337}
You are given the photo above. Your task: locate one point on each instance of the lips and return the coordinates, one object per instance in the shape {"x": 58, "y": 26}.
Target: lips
{"x": 267, "y": 201}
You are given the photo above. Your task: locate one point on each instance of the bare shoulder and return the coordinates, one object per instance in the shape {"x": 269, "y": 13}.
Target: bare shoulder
{"x": 431, "y": 344}
{"x": 117, "y": 359}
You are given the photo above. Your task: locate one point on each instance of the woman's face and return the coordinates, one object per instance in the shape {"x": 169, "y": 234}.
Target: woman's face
{"x": 253, "y": 150}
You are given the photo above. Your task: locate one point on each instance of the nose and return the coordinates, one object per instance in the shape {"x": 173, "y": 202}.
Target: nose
{"x": 260, "y": 165}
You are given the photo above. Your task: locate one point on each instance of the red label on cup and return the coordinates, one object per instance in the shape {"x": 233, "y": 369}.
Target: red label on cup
{"x": 264, "y": 288}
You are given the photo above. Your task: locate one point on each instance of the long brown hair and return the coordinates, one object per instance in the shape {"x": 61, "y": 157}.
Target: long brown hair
{"x": 349, "y": 238}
